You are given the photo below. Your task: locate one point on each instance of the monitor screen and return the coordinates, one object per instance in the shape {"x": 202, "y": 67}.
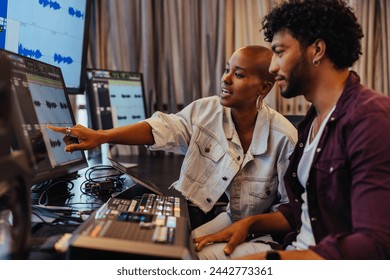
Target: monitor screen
{"x": 116, "y": 98}
{"x": 40, "y": 98}
{"x": 54, "y": 32}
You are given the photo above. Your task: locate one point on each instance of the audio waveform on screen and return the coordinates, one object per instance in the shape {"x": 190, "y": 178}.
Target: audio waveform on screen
{"x": 37, "y": 54}
{"x": 65, "y": 59}
{"x": 51, "y": 105}
{"x": 75, "y": 13}
{"x": 134, "y": 117}
{"x": 63, "y": 105}
{"x": 55, "y": 143}
{"x": 51, "y": 4}
{"x": 29, "y": 52}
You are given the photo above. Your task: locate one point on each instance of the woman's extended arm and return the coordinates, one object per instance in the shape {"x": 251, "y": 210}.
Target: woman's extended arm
{"x": 134, "y": 134}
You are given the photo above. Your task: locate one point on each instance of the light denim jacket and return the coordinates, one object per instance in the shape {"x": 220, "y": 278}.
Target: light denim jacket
{"x": 214, "y": 160}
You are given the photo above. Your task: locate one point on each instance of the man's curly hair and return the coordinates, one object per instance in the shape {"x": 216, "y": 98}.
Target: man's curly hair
{"x": 308, "y": 20}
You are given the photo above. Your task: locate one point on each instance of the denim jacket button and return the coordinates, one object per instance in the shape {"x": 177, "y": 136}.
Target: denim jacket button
{"x": 224, "y": 178}
{"x": 238, "y": 158}
{"x": 207, "y": 149}
{"x": 209, "y": 200}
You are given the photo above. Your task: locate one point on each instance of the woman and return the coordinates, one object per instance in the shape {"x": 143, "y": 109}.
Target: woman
{"x": 233, "y": 143}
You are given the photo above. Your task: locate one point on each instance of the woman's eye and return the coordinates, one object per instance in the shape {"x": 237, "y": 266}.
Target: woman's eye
{"x": 278, "y": 53}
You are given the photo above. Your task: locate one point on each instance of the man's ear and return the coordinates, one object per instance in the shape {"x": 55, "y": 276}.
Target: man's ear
{"x": 318, "y": 50}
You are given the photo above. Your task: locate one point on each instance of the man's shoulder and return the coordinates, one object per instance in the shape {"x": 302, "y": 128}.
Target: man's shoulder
{"x": 367, "y": 101}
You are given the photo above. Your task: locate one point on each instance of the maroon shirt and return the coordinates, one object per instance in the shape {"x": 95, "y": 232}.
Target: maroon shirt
{"x": 348, "y": 189}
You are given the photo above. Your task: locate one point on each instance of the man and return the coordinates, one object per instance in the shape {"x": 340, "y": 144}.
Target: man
{"x": 338, "y": 180}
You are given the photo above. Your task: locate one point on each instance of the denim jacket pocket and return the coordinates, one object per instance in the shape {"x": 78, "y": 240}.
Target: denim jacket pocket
{"x": 262, "y": 195}
{"x": 210, "y": 147}
{"x": 203, "y": 158}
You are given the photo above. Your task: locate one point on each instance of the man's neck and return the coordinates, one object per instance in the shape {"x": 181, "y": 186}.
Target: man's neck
{"x": 329, "y": 87}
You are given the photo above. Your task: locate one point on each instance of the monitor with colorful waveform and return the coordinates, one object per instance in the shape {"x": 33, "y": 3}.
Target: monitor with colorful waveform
{"x": 54, "y": 32}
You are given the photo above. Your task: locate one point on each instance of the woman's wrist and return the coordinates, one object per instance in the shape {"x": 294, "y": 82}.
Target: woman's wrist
{"x": 103, "y": 136}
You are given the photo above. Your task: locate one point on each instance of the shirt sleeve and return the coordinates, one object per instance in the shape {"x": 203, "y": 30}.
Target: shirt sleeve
{"x": 171, "y": 132}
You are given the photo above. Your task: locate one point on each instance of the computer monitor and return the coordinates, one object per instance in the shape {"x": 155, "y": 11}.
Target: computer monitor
{"x": 55, "y": 32}
{"x": 40, "y": 98}
{"x": 115, "y": 98}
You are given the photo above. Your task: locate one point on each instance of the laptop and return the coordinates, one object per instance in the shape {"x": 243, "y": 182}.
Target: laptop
{"x": 144, "y": 182}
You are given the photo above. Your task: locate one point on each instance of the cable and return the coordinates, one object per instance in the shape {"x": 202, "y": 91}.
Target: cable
{"x": 50, "y": 185}
{"x": 43, "y": 213}
{"x": 101, "y": 185}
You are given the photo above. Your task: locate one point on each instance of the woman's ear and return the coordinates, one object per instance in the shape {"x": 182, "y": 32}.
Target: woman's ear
{"x": 266, "y": 87}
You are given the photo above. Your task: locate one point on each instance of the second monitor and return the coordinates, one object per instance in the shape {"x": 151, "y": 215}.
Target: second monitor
{"x": 116, "y": 98}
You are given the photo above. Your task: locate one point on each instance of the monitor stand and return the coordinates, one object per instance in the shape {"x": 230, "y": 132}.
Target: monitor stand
{"x": 110, "y": 152}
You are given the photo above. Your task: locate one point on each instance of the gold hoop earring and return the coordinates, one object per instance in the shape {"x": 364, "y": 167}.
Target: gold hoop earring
{"x": 259, "y": 103}
{"x": 316, "y": 62}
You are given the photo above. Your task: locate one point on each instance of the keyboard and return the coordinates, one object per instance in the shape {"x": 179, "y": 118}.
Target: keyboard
{"x": 147, "y": 227}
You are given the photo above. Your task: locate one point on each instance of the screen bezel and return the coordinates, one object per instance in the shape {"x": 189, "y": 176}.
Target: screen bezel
{"x": 81, "y": 88}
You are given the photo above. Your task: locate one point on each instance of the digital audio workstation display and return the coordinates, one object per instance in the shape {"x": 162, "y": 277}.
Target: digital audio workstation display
{"x": 116, "y": 98}
{"x": 39, "y": 93}
{"x": 54, "y": 32}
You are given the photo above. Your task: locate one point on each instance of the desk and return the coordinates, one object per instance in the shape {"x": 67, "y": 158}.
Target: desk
{"x": 160, "y": 168}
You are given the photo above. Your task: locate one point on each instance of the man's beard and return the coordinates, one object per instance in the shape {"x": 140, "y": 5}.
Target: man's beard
{"x": 297, "y": 81}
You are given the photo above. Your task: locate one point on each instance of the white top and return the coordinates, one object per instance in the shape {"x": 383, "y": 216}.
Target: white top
{"x": 305, "y": 237}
